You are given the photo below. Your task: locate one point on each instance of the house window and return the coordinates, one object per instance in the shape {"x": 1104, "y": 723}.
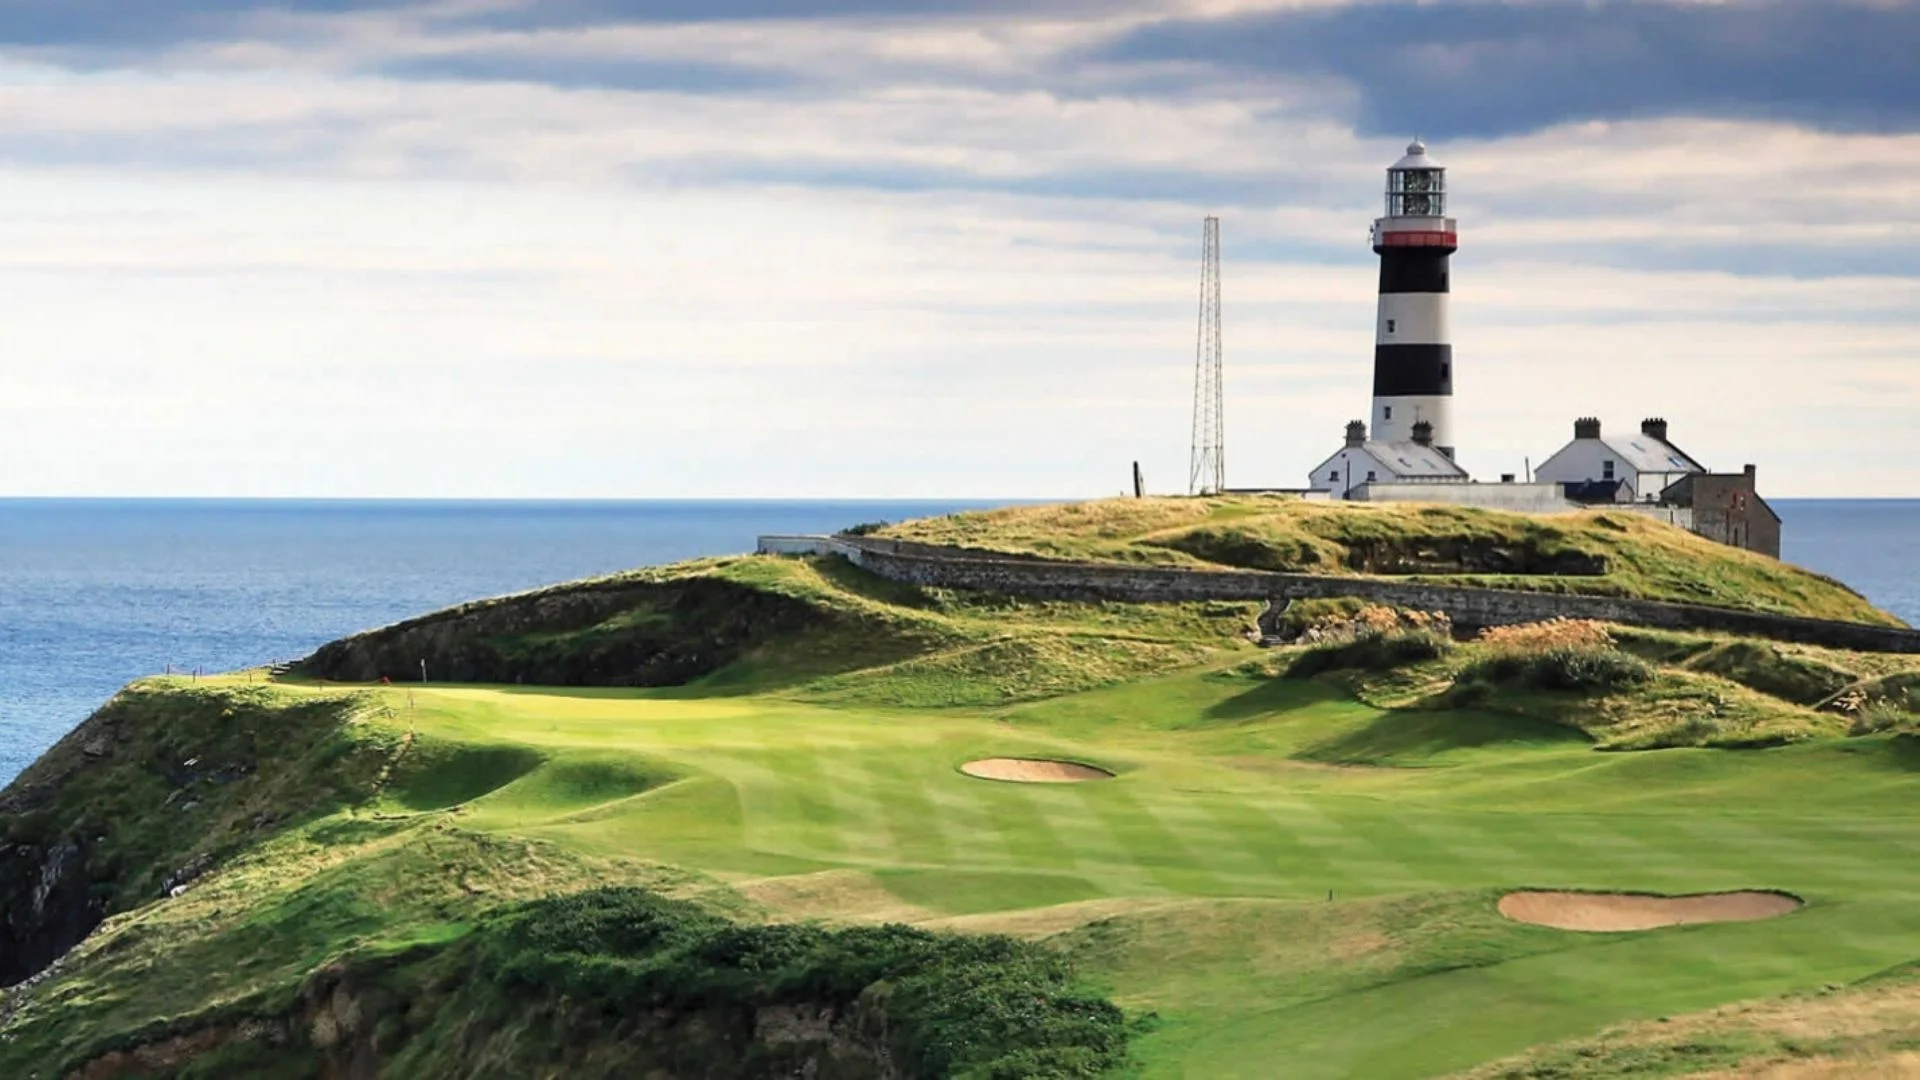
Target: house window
{"x": 1388, "y": 415}
{"x": 1606, "y": 470}
{"x": 1370, "y": 476}
{"x": 1334, "y": 476}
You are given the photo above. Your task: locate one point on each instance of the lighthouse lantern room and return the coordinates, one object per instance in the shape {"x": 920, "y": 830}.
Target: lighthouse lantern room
{"x": 1413, "y": 351}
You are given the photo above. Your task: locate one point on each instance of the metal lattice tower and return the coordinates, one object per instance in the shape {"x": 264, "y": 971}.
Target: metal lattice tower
{"x": 1208, "y": 474}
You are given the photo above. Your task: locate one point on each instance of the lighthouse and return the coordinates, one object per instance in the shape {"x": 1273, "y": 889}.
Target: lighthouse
{"x": 1413, "y": 344}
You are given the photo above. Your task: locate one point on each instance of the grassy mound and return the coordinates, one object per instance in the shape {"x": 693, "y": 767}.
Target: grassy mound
{"x": 815, "y": 627}
{"x": 1623, "y": 689}
{"x": 161, "y": 784}
{"x": 1598, "y": 553}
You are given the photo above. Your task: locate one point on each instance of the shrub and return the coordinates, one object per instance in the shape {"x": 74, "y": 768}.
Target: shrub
{"x": 1372, "y": 650}
{"x": 1875, "y": 718}
{"x": 865, "y": 528}
{"x": 1344, "y": 618}
{"x": 953, "y": 1005}
{"x": 1551, "y": 634}
{"x": 1580, "y": 669}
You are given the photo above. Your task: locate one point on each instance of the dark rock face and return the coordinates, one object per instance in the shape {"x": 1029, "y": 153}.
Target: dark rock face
{"x": 617, "y": 634}
{"x": 148, "y": 794}
{"x": 46, "y": 906}
{"x": 1470, "y": 556}
{"x": 47, "y": 900}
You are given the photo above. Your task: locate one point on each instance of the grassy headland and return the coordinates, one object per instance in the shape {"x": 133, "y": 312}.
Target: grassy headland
{"x": 759, "y": 854}
{"x": 1596, "y": 553}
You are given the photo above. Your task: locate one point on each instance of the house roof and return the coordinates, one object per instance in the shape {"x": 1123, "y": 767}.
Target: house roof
{"x": 1414, "y": 459}
{"x": 1404, "y": 460}
{"x": 1650, "y": 455}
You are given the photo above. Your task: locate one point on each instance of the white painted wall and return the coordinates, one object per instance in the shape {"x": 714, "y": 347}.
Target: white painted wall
{"x": 1352, "y": 461}
{"x": 799, "y": 545}
{"x": 1517, "y": 498}
{"x": 1414, "y": 319}
{"x": 1394, "y": 417}
{"x": 1584, "y": 460}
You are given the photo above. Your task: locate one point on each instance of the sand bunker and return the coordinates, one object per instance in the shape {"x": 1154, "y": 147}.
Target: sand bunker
{"x": 1028, "y": 771}
{"x": 1633, "y": 911}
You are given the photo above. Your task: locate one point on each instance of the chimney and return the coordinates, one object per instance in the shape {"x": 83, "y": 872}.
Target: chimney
{"x": 1423, "y": 433}
{"x": 1356, "y": 433}
{"x": 1750, "y": 472}
{"x": 1655, "y": 427}
{"x": 1587, "y": 427}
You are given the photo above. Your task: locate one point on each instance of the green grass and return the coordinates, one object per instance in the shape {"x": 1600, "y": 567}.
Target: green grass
{"x": 1198, "y": 879}
{"x": 1597, "y": 553}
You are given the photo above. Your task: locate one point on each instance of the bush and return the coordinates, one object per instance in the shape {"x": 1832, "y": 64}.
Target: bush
{"x": 953, "y": 1005}
{"x": 1372, "y": 650}
{"x": 1342, "y": 618}
{"x": 1579, "y": 669}
{"x": 865, "y": 528}
{"x": 1551, "y": 634}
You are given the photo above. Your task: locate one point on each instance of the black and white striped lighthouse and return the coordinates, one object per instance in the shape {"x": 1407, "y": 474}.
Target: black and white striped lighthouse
{"x": 1413, "y": 344}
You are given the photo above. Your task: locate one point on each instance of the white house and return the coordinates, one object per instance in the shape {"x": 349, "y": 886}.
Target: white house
{"x": 1637, "y": 467}
{"x": 1361, "y": 462}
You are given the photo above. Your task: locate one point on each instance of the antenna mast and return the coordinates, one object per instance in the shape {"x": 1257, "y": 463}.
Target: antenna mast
{"x": 1209, "y": 461}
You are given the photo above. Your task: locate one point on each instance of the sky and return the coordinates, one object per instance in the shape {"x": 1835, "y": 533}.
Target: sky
{"x": 930, "y": 248}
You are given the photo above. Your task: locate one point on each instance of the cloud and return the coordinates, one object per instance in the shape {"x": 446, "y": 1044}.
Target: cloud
{"x": 1497, "y": 67}
{"x": 488, "y": 248}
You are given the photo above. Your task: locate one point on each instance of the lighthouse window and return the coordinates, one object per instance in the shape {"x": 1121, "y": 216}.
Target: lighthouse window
{"x": 1390, "y": 326}
{"x": 1387, "y": 412}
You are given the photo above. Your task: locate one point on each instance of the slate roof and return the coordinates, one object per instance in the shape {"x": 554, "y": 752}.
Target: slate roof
{"x": 1410, "y": 459}
{"x": 1650, "y": 455}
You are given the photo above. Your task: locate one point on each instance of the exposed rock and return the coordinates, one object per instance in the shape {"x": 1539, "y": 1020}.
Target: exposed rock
{"x": 58, "y": 911}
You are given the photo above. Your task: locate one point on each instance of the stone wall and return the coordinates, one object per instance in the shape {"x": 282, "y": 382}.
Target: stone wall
{"x": 920, "y": 564}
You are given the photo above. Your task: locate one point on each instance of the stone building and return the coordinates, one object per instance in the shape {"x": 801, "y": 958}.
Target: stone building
{"x": 1727, "y": 507}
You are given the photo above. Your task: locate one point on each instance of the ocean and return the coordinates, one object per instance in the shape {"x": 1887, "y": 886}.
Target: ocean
{"x": 95, "y": 593}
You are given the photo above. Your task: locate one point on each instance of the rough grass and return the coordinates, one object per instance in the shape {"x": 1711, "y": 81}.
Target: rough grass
{"x": 1572, "y": 673}
{"x": 1618, "y": 554}
{"x": 1868, "y": 1029}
